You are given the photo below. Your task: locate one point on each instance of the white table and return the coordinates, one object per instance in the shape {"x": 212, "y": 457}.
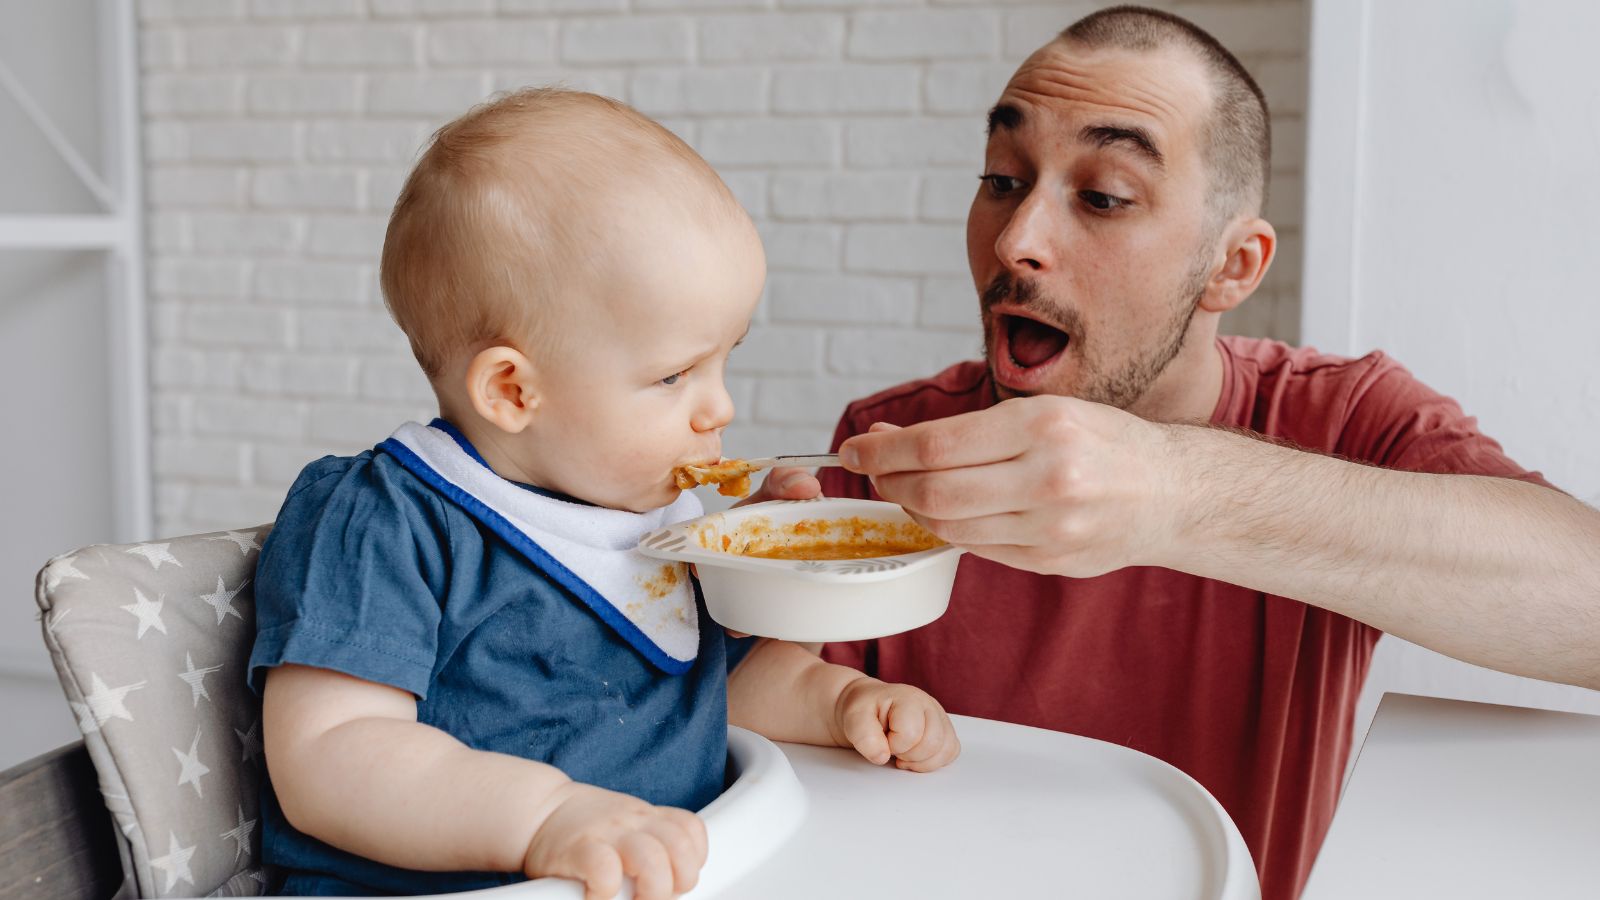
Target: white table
{"x": 1466, "y": 801}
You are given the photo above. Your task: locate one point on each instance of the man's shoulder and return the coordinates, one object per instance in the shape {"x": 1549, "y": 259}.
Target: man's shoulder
{"x": 1302, "y": 380}
{"x": 960, "y": 388}
{"x": 1278, "y": 359}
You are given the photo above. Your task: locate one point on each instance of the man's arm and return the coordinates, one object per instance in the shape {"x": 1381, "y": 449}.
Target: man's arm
{"x": 1489, "y": 570}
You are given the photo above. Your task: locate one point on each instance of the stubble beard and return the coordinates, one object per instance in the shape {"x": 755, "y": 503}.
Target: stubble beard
{"x": 1124, "y": 385}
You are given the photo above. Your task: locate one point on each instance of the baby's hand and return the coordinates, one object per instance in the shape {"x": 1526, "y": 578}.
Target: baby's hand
{"x": 597, "y": 836}
{"x": 898, "y": 721}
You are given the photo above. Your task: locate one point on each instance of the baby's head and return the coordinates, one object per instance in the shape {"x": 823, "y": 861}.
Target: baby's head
{"x": 572, "y": 277}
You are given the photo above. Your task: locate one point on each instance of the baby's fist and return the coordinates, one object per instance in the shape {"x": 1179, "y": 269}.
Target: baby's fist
{"x": 598, "y": 836}
{"x": 895, "y": 721}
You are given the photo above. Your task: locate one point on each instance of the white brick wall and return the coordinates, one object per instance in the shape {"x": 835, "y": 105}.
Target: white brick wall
{"x": 277, "y": 133}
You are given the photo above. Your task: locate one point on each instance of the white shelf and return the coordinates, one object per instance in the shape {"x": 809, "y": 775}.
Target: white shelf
{"x": 63, "y": 232}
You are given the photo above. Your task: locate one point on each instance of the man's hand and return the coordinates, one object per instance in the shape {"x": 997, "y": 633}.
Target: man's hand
{"x": 598, "y": 836}
{"x": 1048, "y": 484}
{"x": 894, "y": 721}
{"x": 785, "y": 483}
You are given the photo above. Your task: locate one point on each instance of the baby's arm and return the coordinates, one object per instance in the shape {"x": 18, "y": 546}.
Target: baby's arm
{"x": 353, "y": 767}
{"x": 787, "y": 693}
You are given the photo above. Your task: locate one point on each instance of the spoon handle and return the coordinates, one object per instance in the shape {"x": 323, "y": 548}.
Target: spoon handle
{"x": 817, "y": 459}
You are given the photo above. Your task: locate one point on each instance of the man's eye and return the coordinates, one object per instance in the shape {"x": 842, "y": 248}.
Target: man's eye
{"x": 1000, "y": 185}
{"x": 673, "y": 379}
{"x": 1102, "y": 202}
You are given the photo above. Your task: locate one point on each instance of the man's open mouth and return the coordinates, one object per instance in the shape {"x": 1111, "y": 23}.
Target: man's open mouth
{"x": 1030, "y": 343}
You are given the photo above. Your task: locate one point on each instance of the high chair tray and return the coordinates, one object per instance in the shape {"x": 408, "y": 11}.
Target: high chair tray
{"x": 1023, "y": 813}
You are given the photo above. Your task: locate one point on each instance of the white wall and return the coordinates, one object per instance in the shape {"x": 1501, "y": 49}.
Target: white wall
{"x": 278, "y": 132}
{"x": 1454, "y": 221}
{"x": 58, "y": 490}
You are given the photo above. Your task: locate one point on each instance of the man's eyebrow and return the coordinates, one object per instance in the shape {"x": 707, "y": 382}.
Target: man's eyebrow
{"x": 1132, "y": 136}
{"x": 1006, "y": 116}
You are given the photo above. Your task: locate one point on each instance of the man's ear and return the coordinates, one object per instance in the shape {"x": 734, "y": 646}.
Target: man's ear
{"x": 503, "y": 388}
{"x": 1249, "y": 245}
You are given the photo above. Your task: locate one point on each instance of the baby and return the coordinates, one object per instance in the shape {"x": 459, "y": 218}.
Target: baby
{"x": 469, "y": 677}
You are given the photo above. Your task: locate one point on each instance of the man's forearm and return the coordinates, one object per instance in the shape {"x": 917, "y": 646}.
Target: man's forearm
{"x": 412, "y": 796}
{"x": 1489, "y": 570}
{"x": 786, "y": 693}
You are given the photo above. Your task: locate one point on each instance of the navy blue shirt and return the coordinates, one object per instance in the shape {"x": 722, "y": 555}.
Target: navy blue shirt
{"x": 368, "y": 571}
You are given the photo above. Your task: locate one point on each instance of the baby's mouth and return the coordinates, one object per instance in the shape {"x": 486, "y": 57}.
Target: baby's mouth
{"x": 1031, "y": 343}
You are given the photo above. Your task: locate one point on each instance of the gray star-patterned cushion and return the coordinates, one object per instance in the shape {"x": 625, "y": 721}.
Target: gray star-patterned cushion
{"x": 150, "y": 642}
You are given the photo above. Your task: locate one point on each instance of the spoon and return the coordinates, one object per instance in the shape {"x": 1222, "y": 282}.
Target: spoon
{"x": 732, "y": 476}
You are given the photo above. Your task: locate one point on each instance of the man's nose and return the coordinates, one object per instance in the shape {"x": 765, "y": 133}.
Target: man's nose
{"x": 715, "y": 411}
{"x": 1024, "y": 246}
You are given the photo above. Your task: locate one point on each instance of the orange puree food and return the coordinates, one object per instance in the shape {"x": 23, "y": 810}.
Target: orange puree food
{"x": 849, "y": 538}
{"x": 731, "y": 476}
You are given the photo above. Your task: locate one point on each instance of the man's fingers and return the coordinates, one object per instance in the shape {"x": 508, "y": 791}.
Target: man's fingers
{"x": 1011, "y": 529}
{"x": 598, "y": 866}
{"x": 970, "y": 439}
{"x": 648, "y": 864}
{"x": 986, "y": 490}
{"x": 785, "y": 483}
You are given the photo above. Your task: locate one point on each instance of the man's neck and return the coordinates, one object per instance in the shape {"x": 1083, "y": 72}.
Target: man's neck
{"x": 1190, "y": 386}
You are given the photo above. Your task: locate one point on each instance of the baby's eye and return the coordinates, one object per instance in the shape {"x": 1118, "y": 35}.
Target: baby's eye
{"x": 673, "y": 379}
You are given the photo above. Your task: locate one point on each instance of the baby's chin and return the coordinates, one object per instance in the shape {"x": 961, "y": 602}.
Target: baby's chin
{"x": 646, "y": 500}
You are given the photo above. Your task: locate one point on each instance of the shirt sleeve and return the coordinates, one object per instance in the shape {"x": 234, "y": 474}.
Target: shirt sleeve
{"x": 1398, "y": 422}
{"x": 350, "y": 577}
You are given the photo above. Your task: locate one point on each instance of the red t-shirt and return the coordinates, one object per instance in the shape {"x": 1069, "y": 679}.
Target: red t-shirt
{"x": 1252, "y": 695}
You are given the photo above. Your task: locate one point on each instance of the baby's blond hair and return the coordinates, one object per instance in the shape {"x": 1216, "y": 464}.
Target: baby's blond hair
{"x": 510, "y": 202}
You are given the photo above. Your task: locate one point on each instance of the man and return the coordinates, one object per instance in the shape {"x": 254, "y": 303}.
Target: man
{"x": 1182, "y": 544}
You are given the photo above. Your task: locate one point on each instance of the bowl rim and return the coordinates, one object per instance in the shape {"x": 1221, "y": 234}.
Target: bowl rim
{"x": 677, "y": 542}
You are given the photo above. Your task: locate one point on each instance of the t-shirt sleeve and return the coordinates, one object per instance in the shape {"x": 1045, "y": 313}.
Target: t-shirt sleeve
{"x": 1398, "y": 422}
{"x": 349, "y": 578}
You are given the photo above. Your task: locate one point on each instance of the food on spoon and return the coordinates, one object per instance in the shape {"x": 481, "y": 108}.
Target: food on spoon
{"x": 731, "y": 476}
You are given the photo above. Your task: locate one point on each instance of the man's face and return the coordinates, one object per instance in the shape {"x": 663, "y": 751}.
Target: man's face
{"x": 1088, "y": 239}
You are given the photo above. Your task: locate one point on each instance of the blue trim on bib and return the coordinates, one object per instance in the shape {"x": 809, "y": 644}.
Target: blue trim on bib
{"x": 538, "y": 556}
{"x": 461, "y": 440}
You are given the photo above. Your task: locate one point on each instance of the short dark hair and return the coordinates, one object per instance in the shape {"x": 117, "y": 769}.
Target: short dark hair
{"x": 1239, "y": 133}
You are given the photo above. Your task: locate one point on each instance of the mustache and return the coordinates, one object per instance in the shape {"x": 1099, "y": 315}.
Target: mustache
{"x": 1026, "y": 294}
{"x": 1003, "y": 287}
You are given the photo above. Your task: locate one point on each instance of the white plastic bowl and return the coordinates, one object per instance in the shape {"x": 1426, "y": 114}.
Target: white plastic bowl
{"x": 810, "y": 600}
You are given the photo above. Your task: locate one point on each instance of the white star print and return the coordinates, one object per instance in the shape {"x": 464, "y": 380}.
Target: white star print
{"x": 240, "y": 833}
{"x": 221, "y": 600}
{"x": 192, "y": 767}
{"x": 148, "y": 612}
{"x": 196, "y": 678}
{"x": 250, "y": 741}
{"x": 155, "y": 554}
{"x": 105, "y": 703}
{"x": 245, "y": 540}
{"x": 175, "y": 863}
{"x": 60, "y": 569}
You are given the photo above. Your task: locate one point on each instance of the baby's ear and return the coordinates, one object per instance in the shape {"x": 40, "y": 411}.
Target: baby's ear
{"x": 503, "y": 389}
